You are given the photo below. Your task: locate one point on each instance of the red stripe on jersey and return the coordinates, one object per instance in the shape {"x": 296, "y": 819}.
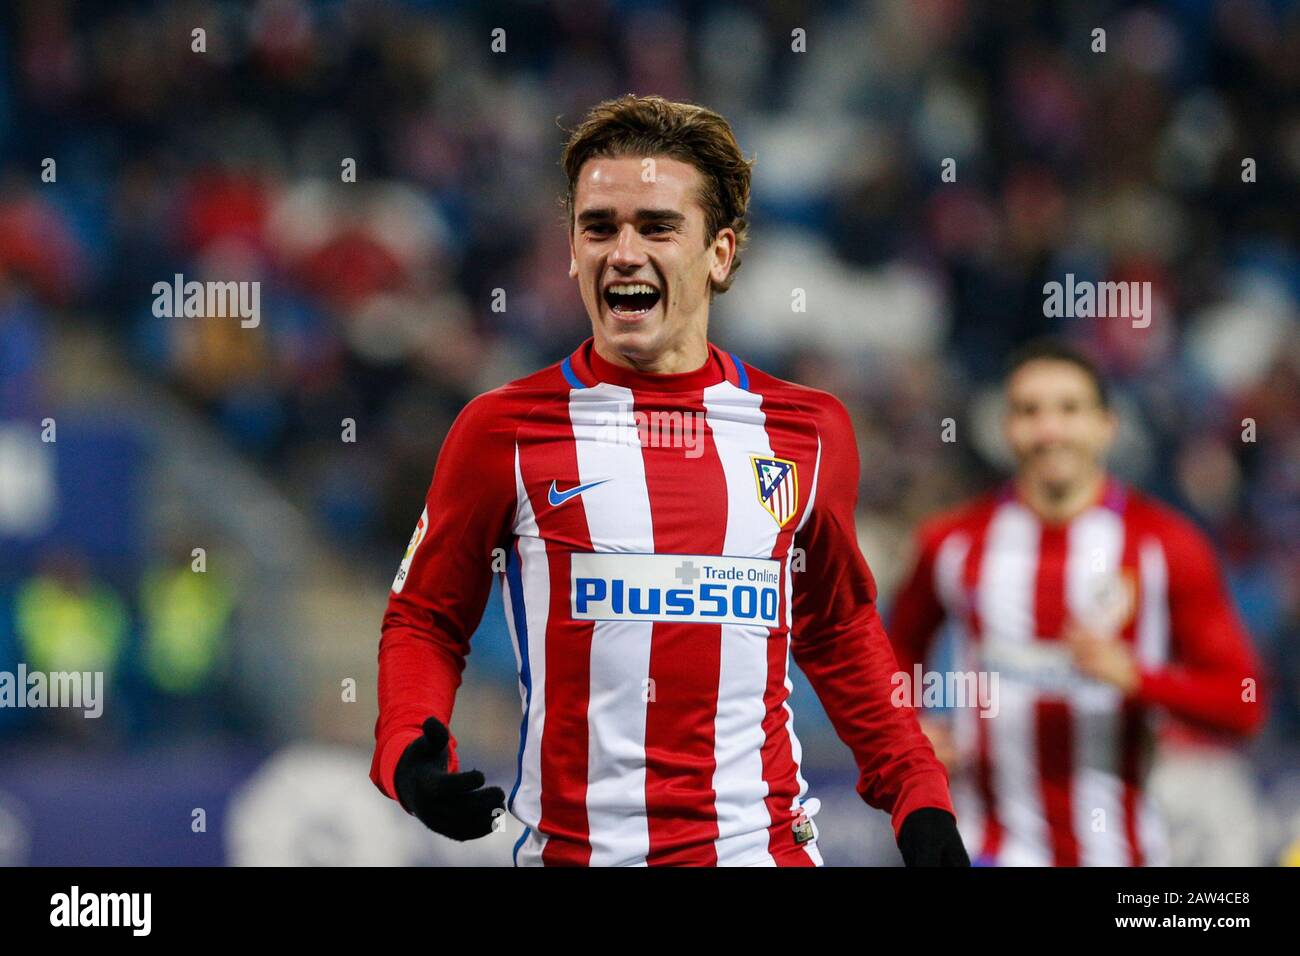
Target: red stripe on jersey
{"x": 685, "y": 659}
{"x": 546, "y": 453}
{"x": 970, "y": 579}
{"x": 1132, "y": 714}
{"x": 1053, "y": 721}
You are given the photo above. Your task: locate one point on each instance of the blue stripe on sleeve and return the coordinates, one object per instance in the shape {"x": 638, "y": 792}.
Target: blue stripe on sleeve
{"x": 567, "y": 368}
{"x": 741, "y": 374}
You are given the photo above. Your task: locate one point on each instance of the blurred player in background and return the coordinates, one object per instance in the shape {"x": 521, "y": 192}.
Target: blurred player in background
{"x": 648, "y": 498}
{"x": 1097, "y": 608}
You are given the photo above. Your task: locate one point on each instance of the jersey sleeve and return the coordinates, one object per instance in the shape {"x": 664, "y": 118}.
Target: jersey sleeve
{"x": 1212, "y": 663}
{"x": 442, "y": 586}
{"x": 838, "y": 641}
{"x": 917, "y": 611}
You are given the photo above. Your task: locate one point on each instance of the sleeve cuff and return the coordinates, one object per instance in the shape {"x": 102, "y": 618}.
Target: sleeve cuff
{"x": 927, "y": 790}
{"x": 392, "y": 753}
{"x": 1147, "y": 690}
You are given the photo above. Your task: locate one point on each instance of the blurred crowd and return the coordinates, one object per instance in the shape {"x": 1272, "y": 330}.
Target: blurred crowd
{"x": 440, "y": 271}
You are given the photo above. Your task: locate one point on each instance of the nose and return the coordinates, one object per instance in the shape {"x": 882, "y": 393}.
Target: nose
{"x": 627, "y": 252}
{"x": 1050, "y": 427}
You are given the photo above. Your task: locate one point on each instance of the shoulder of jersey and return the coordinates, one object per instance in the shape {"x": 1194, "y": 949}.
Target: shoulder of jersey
{"x": 1164, "y": 520}
{"x": 801, "y": 398}
{"x": 966, "y": 517}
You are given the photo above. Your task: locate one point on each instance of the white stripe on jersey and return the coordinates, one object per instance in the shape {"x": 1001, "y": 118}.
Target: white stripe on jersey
{"x": 738, "y": 781}
{"x": 1152, "y": 646}
{"x": 1005, "y": 592}
{"x": 1004, "y": 598}
{"x": 529, "y": 849}
{"x": 534, "y": 576}
{"x": 948, "y": 564}
{"x": 1152, "y": 832}
{"x": 1095, "y": 550}
{"x": 618, "y": 519}
{"x": 1153, "y": 619}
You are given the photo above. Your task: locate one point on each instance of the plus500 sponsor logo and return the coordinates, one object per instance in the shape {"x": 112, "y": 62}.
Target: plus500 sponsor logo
{"x": 700, "y": 589}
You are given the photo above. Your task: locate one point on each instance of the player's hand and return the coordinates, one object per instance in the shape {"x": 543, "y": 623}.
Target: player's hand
{"x": 941, "y": 738}
{"x": 929, "y": 837}
{"x": 1103, "y": 659}
{"x": 457, "y": 805}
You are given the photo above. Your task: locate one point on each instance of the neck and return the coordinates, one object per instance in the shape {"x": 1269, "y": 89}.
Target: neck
{"x": 685, "y": 356}
{"x": 1058, "y": 505}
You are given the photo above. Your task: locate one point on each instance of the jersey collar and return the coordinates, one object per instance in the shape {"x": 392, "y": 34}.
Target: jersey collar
{"x": 585, "y": 368}
{"x": 1112, "y": 495}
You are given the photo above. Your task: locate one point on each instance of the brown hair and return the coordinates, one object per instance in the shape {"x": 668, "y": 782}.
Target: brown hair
{"x": 654, "y": 126}
{"x": 1053, "y": 349}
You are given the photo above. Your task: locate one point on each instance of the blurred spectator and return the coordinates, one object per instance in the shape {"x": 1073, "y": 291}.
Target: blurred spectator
{"x": 186, "y": 616}
{"x": 67, "y": 620}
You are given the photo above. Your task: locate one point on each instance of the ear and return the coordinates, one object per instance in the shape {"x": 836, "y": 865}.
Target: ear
{"x": 724, "y": 252}
{"x": 573, "y": 257}
{"x": 1004, "y": 423}
{"x": 1112, "y": 427}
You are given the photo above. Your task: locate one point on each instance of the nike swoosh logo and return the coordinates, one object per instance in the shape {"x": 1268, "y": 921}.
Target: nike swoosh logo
{"x": 557, "y": 497}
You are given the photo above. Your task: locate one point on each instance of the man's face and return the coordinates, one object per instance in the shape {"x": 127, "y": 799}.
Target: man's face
{"x": 1055, "y": 424}
{"x": 641, "y": 257}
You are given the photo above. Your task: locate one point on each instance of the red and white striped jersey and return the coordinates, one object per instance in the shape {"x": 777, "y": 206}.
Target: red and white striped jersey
{"x": 1056, "y": 775}
{"x": 668, "y": 542}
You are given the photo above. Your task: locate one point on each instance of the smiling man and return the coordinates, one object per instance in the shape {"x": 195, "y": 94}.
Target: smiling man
{"x": 1097, "y": 607}
{"x": 670, "y": 525}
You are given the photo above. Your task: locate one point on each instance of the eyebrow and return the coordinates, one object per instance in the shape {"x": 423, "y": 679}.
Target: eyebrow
{"x": 1020, "y": 402}
{"x": 654, "y": 215}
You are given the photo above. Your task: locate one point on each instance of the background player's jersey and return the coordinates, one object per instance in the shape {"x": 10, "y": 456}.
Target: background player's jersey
{"x": 1056, "y": 777}
{"x": 667, "y": 542}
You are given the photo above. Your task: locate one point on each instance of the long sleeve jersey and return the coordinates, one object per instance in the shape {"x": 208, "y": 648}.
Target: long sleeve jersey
{"x": 1056, "y": 770}
{"x": 666, "y": 543}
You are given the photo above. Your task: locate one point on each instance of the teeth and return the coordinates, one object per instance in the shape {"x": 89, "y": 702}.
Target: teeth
{"x": 632, "y": 288}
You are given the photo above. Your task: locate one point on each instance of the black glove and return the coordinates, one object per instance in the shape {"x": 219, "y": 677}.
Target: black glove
{"x": 929, "y": 837}
{"x": 457, "y": 805}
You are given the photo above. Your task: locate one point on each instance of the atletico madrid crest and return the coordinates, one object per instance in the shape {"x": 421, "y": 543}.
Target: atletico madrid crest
{"x": 778, "y": 487}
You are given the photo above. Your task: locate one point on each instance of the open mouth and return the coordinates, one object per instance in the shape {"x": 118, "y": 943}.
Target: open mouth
{"x": 631, "y": 299}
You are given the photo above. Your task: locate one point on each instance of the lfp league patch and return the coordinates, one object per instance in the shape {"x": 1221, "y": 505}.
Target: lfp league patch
{"x": 417, "y": 537}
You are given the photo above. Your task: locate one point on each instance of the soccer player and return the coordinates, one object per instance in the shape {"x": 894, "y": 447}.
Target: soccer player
{"x": 1097, "y": 608}
{"x": 655, "y": 499}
